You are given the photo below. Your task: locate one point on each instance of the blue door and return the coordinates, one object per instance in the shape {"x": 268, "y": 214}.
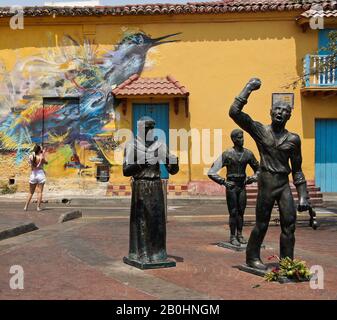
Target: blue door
{"x": 160, "y": 114}
{"x": 326, "y": 154}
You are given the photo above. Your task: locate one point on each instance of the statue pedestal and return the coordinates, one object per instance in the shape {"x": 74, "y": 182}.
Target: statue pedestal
{"x": 149, "y": 265}
{"x": 228, "y": 245}
{"x": 262, "y": 273}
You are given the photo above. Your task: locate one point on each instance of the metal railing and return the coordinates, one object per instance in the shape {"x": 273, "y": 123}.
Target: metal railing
{"x": 320, "y": 70}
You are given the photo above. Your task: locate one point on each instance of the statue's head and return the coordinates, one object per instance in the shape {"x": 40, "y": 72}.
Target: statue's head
{"x": 280, "y": 113}
{"x": 237, "y": 137}
{"x": 145, "y": 127}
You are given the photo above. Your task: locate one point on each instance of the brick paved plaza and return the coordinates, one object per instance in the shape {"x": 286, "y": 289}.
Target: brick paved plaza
{"x": 82, "y": 258}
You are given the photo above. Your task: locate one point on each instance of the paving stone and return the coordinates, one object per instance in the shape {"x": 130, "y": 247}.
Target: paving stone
{"x": 82, "y": 259}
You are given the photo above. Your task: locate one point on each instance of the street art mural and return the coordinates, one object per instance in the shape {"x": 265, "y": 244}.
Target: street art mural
{"x": 62, "y": 99}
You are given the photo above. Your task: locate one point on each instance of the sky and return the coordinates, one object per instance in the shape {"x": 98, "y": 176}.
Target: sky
{"x": 103, "y": 2}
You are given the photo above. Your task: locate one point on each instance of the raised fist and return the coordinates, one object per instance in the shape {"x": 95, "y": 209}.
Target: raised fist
{"x": 254, "y": 84}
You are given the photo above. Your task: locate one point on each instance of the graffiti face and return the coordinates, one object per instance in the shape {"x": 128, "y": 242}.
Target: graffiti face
{"x": 67, "y": 125}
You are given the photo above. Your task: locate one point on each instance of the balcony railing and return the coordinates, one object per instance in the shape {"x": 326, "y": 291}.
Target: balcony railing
{"x": 320, "y": 71}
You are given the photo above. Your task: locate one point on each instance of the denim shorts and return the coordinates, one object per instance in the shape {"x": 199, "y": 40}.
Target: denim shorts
{"x": 37, "y": 177}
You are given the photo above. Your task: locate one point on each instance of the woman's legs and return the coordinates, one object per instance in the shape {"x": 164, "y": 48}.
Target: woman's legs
{"x": 31, "y": 192}
{"x": 39, "y": 195}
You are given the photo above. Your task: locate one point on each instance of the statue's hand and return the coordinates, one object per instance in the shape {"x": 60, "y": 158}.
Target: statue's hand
{"x": 254, "y": 84}
{"x": 303, "y": 205}
{"x": 229, "y": 184}
{"x": 147, "y": 161}
{"x": 251, "y": 179}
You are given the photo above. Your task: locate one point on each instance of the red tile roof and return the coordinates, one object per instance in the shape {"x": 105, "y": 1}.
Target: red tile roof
{"x": 170, "y": 9}
{"x": 319, "y": 13}
{"x": 136, "y": 85}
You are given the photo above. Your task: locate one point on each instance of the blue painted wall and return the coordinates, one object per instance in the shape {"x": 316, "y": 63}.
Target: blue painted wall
{"x": 160, "y": 114}
{"x": 326, "y": 154}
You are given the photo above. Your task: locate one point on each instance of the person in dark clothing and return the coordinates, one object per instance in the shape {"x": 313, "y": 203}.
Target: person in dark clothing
{"x": 235, "y": 160}
{"x": 142, "y": 158}
{"x": 277, "y": 147}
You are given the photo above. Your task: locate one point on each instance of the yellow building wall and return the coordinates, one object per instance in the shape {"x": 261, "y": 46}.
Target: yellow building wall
{"x": 215, "y": 56}
{"x": 216, "y": 62}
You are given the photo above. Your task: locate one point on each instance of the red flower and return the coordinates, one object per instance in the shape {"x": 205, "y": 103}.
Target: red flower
{"x": 273, "y": 256}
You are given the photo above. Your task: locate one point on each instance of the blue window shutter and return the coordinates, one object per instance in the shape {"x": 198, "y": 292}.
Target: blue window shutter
{"x": 323, "y": 40}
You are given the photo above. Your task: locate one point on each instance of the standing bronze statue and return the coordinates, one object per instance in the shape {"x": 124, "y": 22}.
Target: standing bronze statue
{"x": 277, "y": 147}
{"x": 235, "y": 160}
{"x": 142, "y": 158}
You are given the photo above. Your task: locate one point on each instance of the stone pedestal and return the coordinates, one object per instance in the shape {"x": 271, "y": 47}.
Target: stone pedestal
{"x": 149, "y": 265}
{"x": 228, "y": 245}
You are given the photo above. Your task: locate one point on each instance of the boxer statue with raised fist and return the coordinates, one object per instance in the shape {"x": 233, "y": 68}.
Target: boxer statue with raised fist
{"x": 276, "y": 146}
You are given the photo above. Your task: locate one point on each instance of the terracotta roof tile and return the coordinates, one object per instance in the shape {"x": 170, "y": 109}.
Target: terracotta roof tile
{"x": 212, "y": 7}
{"x": 312, "y": 13}
{"x": 136, "y": 85}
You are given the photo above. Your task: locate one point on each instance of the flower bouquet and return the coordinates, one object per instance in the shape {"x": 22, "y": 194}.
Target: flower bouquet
{"x": 292, "y": 269}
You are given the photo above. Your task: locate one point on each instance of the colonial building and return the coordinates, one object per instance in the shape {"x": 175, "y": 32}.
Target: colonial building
{"x": 75, "y": 78}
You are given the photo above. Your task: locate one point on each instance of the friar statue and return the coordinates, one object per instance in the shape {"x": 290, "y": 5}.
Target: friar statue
{"x": 277, "y": 147}
{"x": 142, "y": 159}
{"x": 235, "y": 160}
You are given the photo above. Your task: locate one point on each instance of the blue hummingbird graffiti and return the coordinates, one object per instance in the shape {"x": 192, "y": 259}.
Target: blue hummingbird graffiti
{"x": 77, "y": 72}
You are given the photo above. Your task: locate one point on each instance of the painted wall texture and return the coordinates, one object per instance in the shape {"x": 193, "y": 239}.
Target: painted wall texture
{"x": 87, "y": 57}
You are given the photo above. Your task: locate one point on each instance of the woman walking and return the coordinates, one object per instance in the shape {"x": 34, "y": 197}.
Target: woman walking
{"x": 38, "y": 177}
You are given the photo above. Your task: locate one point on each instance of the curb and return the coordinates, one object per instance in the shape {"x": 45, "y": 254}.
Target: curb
{"x": 127, "y": 201}
{"x": 70, "y": 216}
{"x": 16, "y": 231}
{"x": 178, "y": 200}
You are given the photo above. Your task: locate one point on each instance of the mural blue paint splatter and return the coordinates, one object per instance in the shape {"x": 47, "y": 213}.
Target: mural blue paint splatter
{"x": 73, "y": 70}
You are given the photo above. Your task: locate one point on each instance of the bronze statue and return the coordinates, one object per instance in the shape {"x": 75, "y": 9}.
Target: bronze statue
{"x": 142, "y": 158}
{"x": 235, "y": 160}
{"x": 276, "y": 147}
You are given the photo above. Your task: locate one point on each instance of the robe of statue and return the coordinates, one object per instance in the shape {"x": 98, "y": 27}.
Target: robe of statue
{"x": 147, "y": 220}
